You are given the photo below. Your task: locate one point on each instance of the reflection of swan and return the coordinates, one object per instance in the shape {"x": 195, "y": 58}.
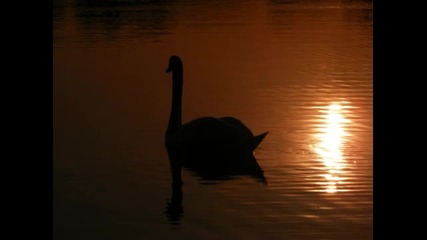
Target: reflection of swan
{"x": 212, "y": 147}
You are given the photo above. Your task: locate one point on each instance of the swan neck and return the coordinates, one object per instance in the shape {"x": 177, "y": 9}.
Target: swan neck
{"x": 175, "y": 121}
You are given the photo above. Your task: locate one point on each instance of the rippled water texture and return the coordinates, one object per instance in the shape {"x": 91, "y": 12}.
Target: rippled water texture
{"x": 301, "y": 70}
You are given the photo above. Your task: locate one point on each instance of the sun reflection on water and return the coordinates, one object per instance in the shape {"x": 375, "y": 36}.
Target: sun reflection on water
{"x": 331, "y": 140}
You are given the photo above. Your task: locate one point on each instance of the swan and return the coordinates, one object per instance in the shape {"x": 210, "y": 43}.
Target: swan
{"x": 207, "y": 144}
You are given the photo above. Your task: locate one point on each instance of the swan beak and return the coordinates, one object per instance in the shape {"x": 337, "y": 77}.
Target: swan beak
{"x": 168, "y": 70}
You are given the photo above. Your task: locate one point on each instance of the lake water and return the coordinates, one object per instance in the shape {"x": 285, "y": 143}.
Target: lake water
{"x": 301, "y": 70}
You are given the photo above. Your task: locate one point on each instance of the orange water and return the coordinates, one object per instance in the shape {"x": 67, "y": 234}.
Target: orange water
{"x": 301, "y": 70}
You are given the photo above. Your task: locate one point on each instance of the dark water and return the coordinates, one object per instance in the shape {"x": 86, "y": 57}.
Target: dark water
{"x": 301, "y": 70}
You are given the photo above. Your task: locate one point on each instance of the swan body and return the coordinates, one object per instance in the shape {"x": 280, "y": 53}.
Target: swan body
{"x": 213, "y": 132}
{"x": 208, "y": 144}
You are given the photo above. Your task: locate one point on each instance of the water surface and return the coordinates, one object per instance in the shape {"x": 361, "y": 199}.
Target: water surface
{"x": 301, "y": 70}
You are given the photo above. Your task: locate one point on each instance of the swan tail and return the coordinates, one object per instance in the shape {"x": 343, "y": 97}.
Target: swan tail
{"x": 256, "y": 140}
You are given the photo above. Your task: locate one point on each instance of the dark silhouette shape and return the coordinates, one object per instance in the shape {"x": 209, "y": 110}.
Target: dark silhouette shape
{"x": 174, "y": 210}
{"x": 212, "y": 148}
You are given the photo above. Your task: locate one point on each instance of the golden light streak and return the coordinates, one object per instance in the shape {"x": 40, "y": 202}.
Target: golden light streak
{"x": 331, "y": 142}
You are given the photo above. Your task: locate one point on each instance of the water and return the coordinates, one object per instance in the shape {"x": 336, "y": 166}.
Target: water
{"x": 301, "y": 70}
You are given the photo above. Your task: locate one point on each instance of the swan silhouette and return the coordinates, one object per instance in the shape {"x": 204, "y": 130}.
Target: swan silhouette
{"x": 214, "y": 148}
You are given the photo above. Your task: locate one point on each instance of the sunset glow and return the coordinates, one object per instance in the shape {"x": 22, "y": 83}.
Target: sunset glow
{"x": 331, "y": 141}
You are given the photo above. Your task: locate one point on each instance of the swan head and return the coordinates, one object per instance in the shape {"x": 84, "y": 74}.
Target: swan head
{"x": 175, "y": 64}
